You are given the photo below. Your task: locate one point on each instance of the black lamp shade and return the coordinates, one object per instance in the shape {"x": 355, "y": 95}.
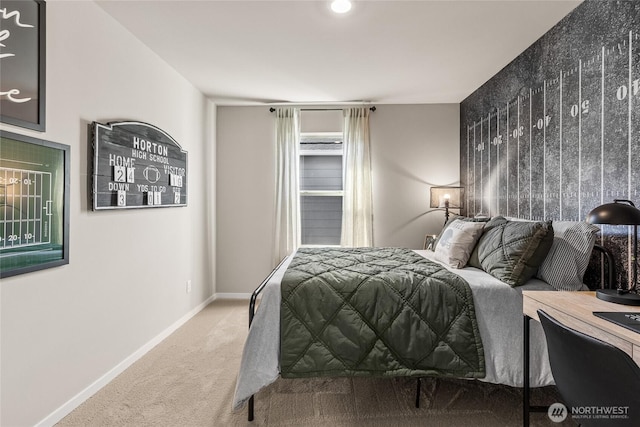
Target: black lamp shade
{"x": 616, "y": 213}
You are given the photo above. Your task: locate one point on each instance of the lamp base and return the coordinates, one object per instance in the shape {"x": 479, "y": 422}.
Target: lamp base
{"x": 612, "y": 295}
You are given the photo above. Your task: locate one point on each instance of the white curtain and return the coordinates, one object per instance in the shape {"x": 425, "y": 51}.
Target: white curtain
{"x": 357, "y": 211}
{"x": 287, "y": 226}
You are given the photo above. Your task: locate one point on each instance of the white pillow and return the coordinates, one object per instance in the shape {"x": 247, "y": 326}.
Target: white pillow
{"x": 568, "y": 258}
{"x": 457, "y": 242}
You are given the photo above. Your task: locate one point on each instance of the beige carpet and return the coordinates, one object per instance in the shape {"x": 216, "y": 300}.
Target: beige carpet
{"x": 189, "y": 380}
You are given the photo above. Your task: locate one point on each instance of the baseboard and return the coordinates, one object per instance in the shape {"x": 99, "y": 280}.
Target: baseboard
{"x": 232, "y": 296}
{"x": 92, "y": 389}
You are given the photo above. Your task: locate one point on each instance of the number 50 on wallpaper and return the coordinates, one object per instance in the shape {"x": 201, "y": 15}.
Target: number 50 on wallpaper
{"x": 34, "y": 204}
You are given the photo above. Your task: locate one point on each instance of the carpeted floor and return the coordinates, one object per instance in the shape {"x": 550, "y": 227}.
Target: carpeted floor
{"x": 188, "y": 380}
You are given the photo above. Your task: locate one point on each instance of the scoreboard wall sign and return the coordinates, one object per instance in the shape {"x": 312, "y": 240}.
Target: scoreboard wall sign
{"x": 137, "y": 165}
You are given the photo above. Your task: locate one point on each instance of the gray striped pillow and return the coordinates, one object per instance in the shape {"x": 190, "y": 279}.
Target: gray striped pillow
{"x": 568, "y": 258}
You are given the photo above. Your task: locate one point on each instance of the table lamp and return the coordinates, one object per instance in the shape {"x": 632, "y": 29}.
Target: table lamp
{"x": 620, "y": 212}
{"x": 447, "y": 197}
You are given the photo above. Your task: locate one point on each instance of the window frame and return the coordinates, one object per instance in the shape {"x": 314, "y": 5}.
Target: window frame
{"x": 319, "y": 193}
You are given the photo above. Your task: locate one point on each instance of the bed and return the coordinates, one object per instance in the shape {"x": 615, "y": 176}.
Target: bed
{"x": 498, "y": 313}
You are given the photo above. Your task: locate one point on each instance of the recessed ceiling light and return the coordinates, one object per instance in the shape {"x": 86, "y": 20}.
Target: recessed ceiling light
{"x": 341, "y": 6}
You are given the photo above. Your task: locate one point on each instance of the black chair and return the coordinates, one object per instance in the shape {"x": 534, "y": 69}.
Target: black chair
{"x": 592, "y": 376}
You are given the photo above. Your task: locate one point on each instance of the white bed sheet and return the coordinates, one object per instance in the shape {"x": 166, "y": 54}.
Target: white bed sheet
{"x": 498, "y": 311}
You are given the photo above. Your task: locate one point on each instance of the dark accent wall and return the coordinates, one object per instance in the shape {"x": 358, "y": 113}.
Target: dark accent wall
{"x": 557, "y": 131}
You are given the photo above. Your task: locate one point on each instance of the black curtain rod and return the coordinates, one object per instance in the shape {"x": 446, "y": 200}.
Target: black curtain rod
{"x": 322, "y": 109}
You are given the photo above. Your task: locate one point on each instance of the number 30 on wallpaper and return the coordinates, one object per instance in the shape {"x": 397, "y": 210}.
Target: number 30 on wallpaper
{"x": 34, "y": 204}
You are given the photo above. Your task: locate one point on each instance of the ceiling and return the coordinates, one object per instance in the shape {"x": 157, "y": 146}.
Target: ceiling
{"x": 386, "y": 52}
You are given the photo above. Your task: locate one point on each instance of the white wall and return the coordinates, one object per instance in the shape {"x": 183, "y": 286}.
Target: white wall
{"x": 64, "y": 328}
{"x": 245, "y": 191}
{"x": 412, "y": 148}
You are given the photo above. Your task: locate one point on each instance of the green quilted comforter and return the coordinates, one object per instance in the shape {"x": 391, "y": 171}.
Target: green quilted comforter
{"x": 376, "y": 312}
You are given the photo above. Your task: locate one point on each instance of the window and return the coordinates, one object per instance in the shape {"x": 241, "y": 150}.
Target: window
{"x": 321, "y": 188}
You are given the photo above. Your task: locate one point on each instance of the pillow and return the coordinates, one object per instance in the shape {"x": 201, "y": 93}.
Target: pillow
{"x": 434, "y": 245}
{"x": 491, "y": 224}
{"x": 483, "y": 220}
{"x": 512, "y": 251}
{"x": 457, "y": 242}
{"x": 568, "y": 258}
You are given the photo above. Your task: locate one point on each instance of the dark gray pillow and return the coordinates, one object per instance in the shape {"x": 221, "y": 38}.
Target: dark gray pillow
{"x": 512, "y": 251}
{"x": 491, "y": 224}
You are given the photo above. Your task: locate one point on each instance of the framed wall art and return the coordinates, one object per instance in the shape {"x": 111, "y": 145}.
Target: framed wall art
{"x": 22, "y": 63}
{"x": 34, "y": 204}
{"x": 137, "y": 165}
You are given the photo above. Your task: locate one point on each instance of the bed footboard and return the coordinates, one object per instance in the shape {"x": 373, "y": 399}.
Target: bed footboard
{"x": 252, "y": 312}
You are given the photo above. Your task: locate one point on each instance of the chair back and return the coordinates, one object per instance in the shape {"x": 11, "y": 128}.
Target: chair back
{"x": 600, "y": 383}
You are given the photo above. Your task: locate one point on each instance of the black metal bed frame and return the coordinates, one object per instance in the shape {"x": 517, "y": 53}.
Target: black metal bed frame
{"x": 611, "y": 266}
{"x": 527, "y": 408}
{"x": 252, "y": 312}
